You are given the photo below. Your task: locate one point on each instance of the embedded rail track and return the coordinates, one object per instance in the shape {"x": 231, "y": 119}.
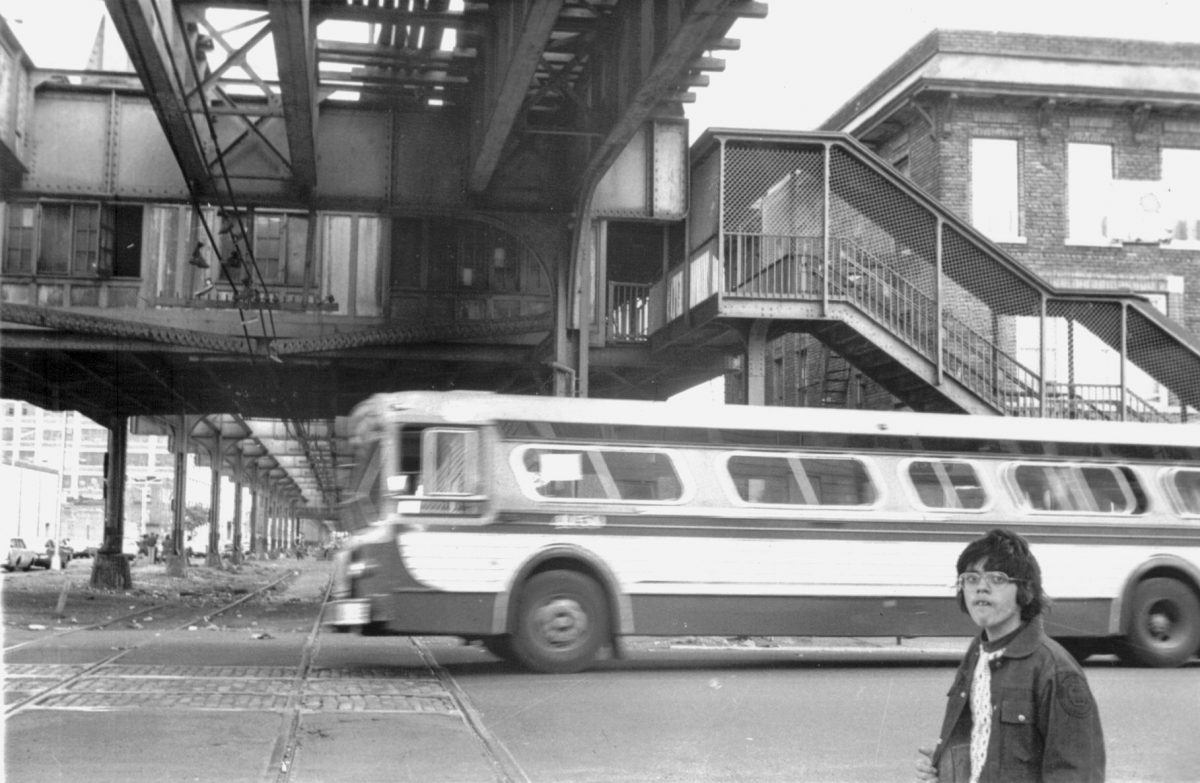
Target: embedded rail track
{"x": 291, "y": 691}
{"x": 62, "y": 682}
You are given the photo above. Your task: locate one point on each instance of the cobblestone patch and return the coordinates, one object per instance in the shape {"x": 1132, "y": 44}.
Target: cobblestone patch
{"x": 53, "y": 670}
{"x": 361, "y": 687}
{"x": 260, "y": 688}
{"x": 186, "y": 701}
{"x": 376, "y": 672}
{"x": 169, "y": 670}
{"x": 156, "y": 685}
{"x": 379, "y": 703}
{"x": 29, "y": 684}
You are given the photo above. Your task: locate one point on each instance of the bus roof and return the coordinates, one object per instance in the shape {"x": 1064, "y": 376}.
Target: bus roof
{"x": 477, "y": 407}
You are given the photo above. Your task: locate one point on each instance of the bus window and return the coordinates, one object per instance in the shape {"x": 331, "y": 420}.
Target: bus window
{"x": 1095, "y": 488}
{"x": 946, "y": 484}
{"x": 365, "y": 490}
{"x": 1186, "y": 484}
{"x": 602, "y": 474}
{"x": 801, "y": 481}
{"x": 450, "y": 462}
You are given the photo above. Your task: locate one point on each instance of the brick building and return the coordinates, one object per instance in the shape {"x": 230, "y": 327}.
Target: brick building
{"x": 1080, "y": 157}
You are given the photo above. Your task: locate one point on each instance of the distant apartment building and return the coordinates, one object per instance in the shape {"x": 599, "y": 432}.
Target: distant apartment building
{"x": 1080, "y": 157}
{"x": 75, "y": 447}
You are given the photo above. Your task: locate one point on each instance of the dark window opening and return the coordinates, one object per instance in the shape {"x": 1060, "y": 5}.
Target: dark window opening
{"x": 127, "y": 240}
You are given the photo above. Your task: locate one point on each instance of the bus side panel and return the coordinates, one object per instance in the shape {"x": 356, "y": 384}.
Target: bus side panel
{"x": 1079, "y": 617}
{"x": 425, "y": 612}
{"x": 758, "y": 615}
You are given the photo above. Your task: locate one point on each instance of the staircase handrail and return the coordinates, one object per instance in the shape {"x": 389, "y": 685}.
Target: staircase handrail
{"x": 1005, "y": 368}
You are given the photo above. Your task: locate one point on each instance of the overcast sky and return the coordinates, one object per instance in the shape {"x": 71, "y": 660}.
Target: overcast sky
{"x": 795, "y": 68}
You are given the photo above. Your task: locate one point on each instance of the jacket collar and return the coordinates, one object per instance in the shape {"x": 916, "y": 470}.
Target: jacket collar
{"x": 1027, "y": 639}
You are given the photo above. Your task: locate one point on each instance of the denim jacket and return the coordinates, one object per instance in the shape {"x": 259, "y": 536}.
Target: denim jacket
{"x": 1045, "y": 724}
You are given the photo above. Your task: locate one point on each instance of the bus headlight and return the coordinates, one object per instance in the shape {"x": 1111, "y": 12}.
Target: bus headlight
{"x": 360, "y": 568}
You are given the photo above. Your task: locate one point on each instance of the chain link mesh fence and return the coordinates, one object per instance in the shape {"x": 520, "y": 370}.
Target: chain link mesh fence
{"x": 921, "y": 273}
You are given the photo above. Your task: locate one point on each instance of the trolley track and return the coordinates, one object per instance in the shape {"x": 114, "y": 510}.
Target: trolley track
{"x": 66, "y": 681}
{"x": 295, "y": 693}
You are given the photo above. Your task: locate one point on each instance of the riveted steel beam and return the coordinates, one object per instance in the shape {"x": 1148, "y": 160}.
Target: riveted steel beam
{"x": 523, "y": 31}
{"x": 292, "y": 29}
{"x": 160, "y": 51}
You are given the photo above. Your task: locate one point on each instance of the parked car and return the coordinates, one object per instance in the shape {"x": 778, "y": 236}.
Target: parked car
{"x": 18, "y": 556}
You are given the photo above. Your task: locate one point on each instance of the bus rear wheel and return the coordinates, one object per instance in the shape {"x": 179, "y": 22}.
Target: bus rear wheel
{"x": 1164, "y": 629}
{"x": 562, "y": 621}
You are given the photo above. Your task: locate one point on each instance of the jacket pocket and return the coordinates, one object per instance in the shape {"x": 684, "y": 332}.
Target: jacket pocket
{"x": 1018, "y": 722}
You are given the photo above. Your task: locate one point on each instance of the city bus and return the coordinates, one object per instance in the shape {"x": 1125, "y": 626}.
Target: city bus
{"x": 549, "y": 528}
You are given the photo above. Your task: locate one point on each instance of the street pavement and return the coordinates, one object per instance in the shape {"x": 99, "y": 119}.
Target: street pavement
{"x": 248, "y": 696}
{"x": 170, "y": 693}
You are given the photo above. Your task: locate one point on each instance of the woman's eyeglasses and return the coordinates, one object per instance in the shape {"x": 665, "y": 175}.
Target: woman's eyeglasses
{"x": 994, "y": 579}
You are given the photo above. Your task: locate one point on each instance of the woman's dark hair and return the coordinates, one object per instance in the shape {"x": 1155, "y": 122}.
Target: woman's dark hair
{"x": 1004, "y": 550}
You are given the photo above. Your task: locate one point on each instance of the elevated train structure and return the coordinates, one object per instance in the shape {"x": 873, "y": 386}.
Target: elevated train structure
{"x": 291, "y": 206}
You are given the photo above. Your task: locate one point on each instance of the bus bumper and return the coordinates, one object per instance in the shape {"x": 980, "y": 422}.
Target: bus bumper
{"x": 349, "y": 612}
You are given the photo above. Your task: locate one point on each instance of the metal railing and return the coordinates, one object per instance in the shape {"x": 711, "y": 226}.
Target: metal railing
{"x": 628, "y": 312}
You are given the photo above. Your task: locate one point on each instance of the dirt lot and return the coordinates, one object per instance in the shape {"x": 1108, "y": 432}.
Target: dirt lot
{"x": 31, "y": 599}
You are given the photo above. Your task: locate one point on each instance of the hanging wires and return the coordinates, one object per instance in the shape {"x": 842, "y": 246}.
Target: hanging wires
{"x": 241, "y": 234}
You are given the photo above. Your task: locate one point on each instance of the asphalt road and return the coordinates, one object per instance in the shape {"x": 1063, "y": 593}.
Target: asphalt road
{"x": 259, "y": 695}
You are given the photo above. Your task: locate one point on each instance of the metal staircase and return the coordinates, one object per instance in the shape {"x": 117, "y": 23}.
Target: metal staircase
{"x": 813, "y": 233}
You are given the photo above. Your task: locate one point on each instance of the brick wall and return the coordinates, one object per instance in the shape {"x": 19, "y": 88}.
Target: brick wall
{"x": 943, "y": 169}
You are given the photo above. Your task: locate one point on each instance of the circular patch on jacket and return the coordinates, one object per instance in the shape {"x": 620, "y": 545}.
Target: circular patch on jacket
{"x": 1073, "y": 695}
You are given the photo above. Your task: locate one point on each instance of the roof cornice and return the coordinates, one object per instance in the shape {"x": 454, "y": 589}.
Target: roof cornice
{"x": 1028, "y": 65}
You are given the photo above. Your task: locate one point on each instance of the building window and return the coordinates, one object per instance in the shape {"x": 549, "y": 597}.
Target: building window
{"x": 1089, "y": 187}
{"x": 1181, "y": 181}
{"x": 18, "y": 248}
{"x": 995, "y": 188}
{"x": 59, "y": 238}
{"x": 280, "y": 247}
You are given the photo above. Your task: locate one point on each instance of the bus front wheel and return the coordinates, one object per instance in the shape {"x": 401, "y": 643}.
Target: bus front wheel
{"x": 1164, "y": 629}
{"x": 562, "y": 621}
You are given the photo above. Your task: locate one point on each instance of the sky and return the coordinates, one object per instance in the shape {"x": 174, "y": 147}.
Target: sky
{"x": 794, "y": 69}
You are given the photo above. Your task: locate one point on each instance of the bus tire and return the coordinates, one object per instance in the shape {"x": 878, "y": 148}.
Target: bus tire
{"x": 1164, "y": 627}
{"x": 561, "y": 623}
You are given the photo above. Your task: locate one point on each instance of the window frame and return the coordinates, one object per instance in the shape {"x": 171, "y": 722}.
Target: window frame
{"x": 1190, "y": 240}
{"x": 988, "y": 180}
{"x": 1068, "y": 481}
{"x": 27, "y": 248}
{"x": 90, "y": 259}
{"x": 1172, "y": 489}
{"x": 473, "y": 449}
{"x": 287, "y": 262}
{"x": 1099, "y": 187}
{"x": 878, "y": 488}
{"x": 527, "y": 480}
{"x": 988, "y": 495}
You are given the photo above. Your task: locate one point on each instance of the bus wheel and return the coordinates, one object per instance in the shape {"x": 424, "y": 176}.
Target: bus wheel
{"x": 1165, "y": 627}
{"x": 562, "y": 620}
